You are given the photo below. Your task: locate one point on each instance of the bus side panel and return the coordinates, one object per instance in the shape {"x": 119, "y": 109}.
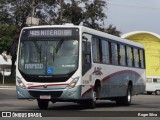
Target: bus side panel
{"x": 114, "y": 84}
{"x": 117, "y": 83}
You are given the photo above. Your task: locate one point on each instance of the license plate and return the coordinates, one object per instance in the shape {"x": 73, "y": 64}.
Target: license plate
{"x": 45, "y": 97}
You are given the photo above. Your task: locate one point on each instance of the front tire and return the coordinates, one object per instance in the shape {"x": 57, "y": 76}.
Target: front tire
{"x": 92, "y": 102}
{"x": 42, "y": 104}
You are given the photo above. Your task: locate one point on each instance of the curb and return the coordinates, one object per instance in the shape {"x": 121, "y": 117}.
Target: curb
{"x": 4, "y": 86}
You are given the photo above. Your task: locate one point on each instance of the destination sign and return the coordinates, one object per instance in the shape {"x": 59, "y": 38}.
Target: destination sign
{"x": 50, "y": 33}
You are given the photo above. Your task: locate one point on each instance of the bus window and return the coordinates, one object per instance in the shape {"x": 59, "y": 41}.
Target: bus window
{"x": 148, "y": 79}
{"x": 158, "y": 80}
{"x": 136, "y": 57}
{"x": 86, "y": 55}
{"x": 96, "y": 50}
{"x": 105, "y": 51}
{"x": 114, "y": 53}
{"x": 122, "y": 55}
{"x": 141, "y": 58}
{"x": 129, "y": 57}
{"x": 154, "y": 80}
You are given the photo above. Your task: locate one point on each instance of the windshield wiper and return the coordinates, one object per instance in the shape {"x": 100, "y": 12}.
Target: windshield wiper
{"x": 38, "y": 48}
{"x": 58, "y": 46}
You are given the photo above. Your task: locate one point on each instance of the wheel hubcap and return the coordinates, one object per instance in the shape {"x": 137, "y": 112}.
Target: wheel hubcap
{"x": 94, "y": 96}
{"x": 129, "y": 96}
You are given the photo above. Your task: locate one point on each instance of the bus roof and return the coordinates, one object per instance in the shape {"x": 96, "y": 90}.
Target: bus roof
{"x": 84, "y": 29}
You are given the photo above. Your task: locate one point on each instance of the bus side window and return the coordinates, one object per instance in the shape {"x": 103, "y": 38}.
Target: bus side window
{"x": 132, "y": 57}
{"x": 141, "y": 53}
{"x": 122, "y": 55}
{"x": 129, "y": 57}
{"x": 154, "y": 80}
{"x": 114, "y": 53}
{"x": 96, "y": 49}
{"x": 105, "y": 51}
{"x": 149, "y": 80}
{"x": 158, "y": 80}
{"x": 86, "y": 55}
{"x": 136, "y": 57}
{"x": 86, "y": 52}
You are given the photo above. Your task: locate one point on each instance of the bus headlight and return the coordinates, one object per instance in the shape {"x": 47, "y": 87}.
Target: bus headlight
{"x": 20, "y": 83}
{"x": 73, "y": 83}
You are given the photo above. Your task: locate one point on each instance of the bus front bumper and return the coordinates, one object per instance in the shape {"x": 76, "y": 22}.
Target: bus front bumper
{"x": 58, "y": 94}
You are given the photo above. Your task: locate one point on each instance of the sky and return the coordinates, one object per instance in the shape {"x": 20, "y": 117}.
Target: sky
{"x": 134, "y": 15}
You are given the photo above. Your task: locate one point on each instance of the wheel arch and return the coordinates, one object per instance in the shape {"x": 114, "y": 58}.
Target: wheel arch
{"x": 97, "y": 84}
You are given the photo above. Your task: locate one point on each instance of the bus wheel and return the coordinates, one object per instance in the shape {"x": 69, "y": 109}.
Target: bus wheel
{"x": 128, "y": 97}
{"x": 126, "y": 101}
{"x": 157, "y": 92}
{"x": 92, "y": 102}
{"x": 42, "y": 104}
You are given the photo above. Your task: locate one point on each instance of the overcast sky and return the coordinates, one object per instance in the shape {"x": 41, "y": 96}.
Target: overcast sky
{"x": 134, "y": 15}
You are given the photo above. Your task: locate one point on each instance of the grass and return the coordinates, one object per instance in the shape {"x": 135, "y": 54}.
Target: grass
{"x": 8, "y": 80}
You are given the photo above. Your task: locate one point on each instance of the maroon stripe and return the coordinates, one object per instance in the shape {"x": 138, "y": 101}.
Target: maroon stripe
{"x": 120, "y": 72}
{"x": 91, "y": 88}
{"x": 111, "y": 75}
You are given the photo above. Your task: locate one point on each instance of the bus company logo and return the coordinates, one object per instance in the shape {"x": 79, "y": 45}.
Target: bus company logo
{"x": 97, "y": 71}
{"x": 45, "y": 86}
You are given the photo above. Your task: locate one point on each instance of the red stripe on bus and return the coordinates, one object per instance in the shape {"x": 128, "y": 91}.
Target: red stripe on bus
{"x": 120, "y": 72}
{"x": 109, "y": 76}
{"x": 87, "y": 91}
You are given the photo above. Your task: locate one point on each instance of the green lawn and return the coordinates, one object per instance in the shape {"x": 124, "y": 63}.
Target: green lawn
{"x": 8, "y": 80}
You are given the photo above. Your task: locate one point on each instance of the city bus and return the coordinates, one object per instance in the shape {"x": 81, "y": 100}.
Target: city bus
{"x": 69, "y": 63}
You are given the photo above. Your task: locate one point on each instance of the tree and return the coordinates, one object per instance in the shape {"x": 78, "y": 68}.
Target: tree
{"x": 13, "y": 14}
{"x": 9, "y": 37}
{"x": 6, "y": 37}
{"x": 94, "y": 13}
{"x": 14, "y": 46}
{"x": 72, "y": 13}
{"x": 112, "y": 30}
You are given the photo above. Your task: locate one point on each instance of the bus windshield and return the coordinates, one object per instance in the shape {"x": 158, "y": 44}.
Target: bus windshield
{"x": 48, "y": 57}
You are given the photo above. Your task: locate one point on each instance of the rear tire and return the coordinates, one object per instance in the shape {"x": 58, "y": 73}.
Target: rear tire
{"x": 125, "y": 101}
{"x": 128, "y": 97}
{"x": 42, "y": 104}
{"x": 157, "y": 92}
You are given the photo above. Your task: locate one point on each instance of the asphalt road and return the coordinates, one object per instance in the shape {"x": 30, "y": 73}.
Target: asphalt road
{"x": 143, "y": 106}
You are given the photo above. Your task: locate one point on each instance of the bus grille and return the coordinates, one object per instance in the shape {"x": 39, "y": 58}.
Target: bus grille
{"x": 54, "y": 94}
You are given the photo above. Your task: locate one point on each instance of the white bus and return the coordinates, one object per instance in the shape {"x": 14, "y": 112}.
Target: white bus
{"x": 77, "y": 64}
{"x": 153, "y": 85}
